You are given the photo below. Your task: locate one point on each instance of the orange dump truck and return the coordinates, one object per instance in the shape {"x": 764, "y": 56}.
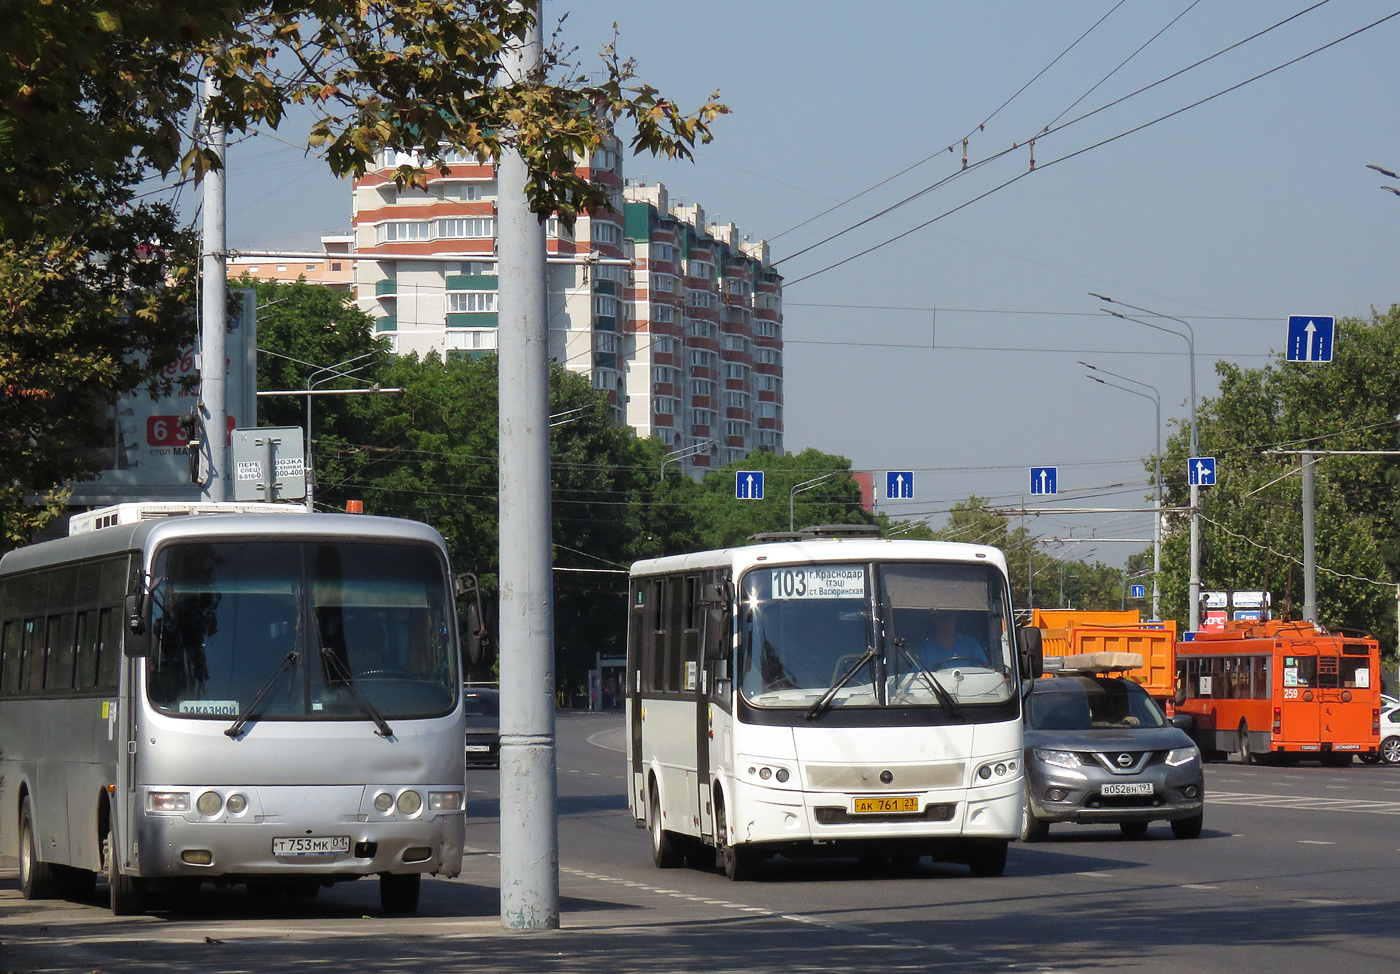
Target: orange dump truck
{"x": 1069, "y": 632}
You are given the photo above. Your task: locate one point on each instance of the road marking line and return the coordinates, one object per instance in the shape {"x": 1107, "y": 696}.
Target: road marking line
{"x": 1315, "y": 842}
{"x": 1198, "y": 886}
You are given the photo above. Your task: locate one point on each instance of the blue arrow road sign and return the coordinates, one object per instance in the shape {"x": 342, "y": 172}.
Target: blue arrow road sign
{"x": 1310, "y": 338}
{"x": 899, "y": 484}
{"x": 748, "y": 485}
{"x": 1139, "y": 591}
{"x": 1043, "y": 480}
{"x": 1200, "y": 471}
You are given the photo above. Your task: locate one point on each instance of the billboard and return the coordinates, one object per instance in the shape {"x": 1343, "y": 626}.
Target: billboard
{"x": 146, "y": 451}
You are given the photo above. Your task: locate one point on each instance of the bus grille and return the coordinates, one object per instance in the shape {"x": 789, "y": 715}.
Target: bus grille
{"x": 833, "y": 815}
{"x": 866, "y": 778}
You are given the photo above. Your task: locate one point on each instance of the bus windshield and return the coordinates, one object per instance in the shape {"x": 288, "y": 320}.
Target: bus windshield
{"x": 318, "y": 628}
{"x": 875, "y": 635}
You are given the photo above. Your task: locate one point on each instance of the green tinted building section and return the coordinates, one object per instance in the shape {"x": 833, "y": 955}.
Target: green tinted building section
{"x": 387, "y": 323}
{"x": 387, "y": 286}
{"x": 636, "y": 220}
{"x": 473, "y": 282}
{"x": 472, "y": 319}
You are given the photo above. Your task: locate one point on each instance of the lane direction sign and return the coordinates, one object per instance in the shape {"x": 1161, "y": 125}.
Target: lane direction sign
{"x": 1139, "y": 591}
{"x": 748, "y": 485}
{"x": 1200, "y": 471}
{"x": 1310, "y": 338}
{"x": 899, "y": 484}
{"x": 1043, "y": 480}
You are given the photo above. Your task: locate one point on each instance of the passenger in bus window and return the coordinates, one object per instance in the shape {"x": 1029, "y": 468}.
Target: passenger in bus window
{"x": 947, "y": 646}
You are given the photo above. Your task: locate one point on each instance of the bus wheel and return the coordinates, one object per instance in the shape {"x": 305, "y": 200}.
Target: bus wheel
{"x": 398, "y": 893}
{"x": 37, "y": 879}
{"x": 988, "y": 857}
{"x": 665, "y": 851}
{"x": 128, "y": 893}
{"x": 1246, "y": 749}
{"x": 1188, "y": 828}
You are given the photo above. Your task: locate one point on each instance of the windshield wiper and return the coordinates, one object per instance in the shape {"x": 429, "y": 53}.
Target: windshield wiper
{"x": 330, "y": 656}
{"x": 252, "y": 708}
{"x": 944, "y": 697}
{"x": 821, "y": 705}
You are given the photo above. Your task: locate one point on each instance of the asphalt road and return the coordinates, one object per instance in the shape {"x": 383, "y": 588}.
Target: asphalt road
{"x": 1294, "y": 874}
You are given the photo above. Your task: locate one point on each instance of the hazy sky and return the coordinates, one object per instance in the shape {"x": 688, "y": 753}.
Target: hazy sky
{"x": 1232, "y": 214}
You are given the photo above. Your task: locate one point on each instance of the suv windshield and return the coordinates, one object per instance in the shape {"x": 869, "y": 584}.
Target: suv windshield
{"x": 1080, "y": 703}
{"x": 874, "y": 635}
{"x": 320, "y": 626}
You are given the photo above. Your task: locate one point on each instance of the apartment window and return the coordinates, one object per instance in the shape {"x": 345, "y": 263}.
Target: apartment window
{"x": 402, "y": 230}
{"x": 765, "y": 329}
{"x": 769, "y": 383}
{"x": 470, "y": 227}
{"x": 700, "y": 268}
{"x": 471, "y": 338}
{"x": 738, "y": 288}
{"x": 696, "y": 298}
{"x": 733, "y": 370}
{"x": 698, "y": 328}
{"x": 734, "y": 343}
{"x": 768, "y": 302}
{"x": 553, "y": 228}
{"x": 663, "y": 313}
{"x": 606, "y": 233}
{"x": 736, "y": 400}
{"x": 702, "y": 417}
{"x": 458, "y": 301}
{"x": 736, "y": 428}
{"x": 667, "y": 346}
{"x": 469, "y": 192}
{"x": 605, "y": 342}
{"x": 609, "y": 272}
{"x": 452, "y": 154}
{"x": 664, "y": 406}
{"x": 664, "y": 282}
{"x": 474, "y": 268}
{"x": 605, "y": 306}
{"x": 702, "y": 360}
{"x": 603, "y": 159}
{"x": 703, "y": 388}
{"x": 768, "y": 356}
{"x": 666, "y": 374}
{"x": 767, "y": 410}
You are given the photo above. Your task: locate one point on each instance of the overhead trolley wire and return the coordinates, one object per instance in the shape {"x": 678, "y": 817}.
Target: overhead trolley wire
{"x": 1097, "y": 145}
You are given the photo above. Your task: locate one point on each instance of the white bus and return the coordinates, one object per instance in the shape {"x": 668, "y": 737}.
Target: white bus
{"x": 797, "y": 697}
{"x": 267, "y": 699}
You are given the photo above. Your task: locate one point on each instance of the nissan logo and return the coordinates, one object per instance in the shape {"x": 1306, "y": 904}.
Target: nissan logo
{"x": 1125, "y": 760}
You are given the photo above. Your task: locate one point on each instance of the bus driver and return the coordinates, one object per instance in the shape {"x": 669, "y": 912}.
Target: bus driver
{"x": 947, "y": 647}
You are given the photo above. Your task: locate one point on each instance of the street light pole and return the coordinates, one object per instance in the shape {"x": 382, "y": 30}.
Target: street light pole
{"x": 799, "y": 488}
{"x": 311, "y": 382}
{"x": 682, "y": 454}
{"x": 1194, "y": 598}
{"x": 1156, "y": 398}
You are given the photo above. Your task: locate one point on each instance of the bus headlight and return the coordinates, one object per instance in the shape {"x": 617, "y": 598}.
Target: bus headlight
{"x": 170, "y": 801}
{"x": 444, "y": 801}
{"x": 410, "y": 802}
{"x": 1178, "y": 756}
{"x": 383, "y": 801}
{"x": 209, "y": 804}
{"x": 236, "y": 804}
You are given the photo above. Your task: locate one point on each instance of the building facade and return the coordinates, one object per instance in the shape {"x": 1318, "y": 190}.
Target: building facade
{"x": 678, "y": 322}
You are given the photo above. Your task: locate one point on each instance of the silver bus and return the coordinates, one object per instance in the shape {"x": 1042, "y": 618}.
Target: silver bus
{"x": 256, "y": 698}
{"x": 824, "y": 697}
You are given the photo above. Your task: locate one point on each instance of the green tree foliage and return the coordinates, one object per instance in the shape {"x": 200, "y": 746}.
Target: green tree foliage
{"x": 88, "y": 310}
{"x": 1038, "y": 578}
{"x": 726, "y": 521}
{"x": 1252, "y": 519}
{"x": 98, "y": 95}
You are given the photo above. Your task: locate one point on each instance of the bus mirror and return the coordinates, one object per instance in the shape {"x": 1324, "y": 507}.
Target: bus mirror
{"x": 716, "y": 634}
{"x": 137, "y": 641}
{"x": 714, "y": 593}
{"x": 1032, "y": 655}
{"x": 478, "y": 637}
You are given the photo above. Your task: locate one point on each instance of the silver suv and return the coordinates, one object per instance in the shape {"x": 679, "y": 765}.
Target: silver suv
{"x": 1099, "y": 750}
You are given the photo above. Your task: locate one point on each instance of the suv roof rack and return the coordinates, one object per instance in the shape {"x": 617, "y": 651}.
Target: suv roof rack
{"x": 1080, "y": 664}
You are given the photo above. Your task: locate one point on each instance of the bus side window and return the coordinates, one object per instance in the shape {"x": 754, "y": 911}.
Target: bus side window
{"x": 109, "y": 651}
{"x": 85, "y": 657}
{"x": 672, "y": 621}
{"x": 61, "y": 632}
{"x": 10, "y": 645}
{"x": 1260, "y": 683}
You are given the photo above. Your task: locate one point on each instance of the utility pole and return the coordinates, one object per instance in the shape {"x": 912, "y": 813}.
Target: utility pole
{"x": 213, "y": 358}
{"x": 1309, "y": 543}
{"x": 528, "y": 787}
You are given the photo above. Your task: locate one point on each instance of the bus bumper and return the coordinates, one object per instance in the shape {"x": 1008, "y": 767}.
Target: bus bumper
{"x": 324, "y": 832}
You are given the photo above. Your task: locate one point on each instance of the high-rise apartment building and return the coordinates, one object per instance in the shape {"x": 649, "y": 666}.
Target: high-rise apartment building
{"x": 678, "y": 322}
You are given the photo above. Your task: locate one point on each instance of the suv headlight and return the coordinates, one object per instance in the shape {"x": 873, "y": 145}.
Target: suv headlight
{"x": 1058, "y": 759}
{"x": 1178, "y": 756}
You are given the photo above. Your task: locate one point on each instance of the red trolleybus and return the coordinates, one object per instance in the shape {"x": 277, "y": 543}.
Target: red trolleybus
{"x": 1284, "y": 689}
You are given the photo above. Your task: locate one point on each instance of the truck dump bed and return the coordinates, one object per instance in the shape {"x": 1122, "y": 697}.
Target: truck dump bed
{"x": 1071, "y": 632}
